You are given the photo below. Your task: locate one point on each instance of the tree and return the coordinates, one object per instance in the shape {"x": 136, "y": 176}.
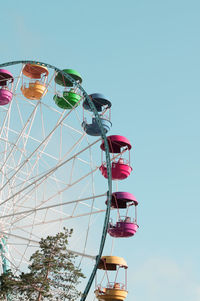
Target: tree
{"x": 53, "y": 274}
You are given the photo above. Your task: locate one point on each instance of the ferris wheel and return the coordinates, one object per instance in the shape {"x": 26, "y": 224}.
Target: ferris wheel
{"x": 50, "y": 135}
{"x": 57, "y": 167}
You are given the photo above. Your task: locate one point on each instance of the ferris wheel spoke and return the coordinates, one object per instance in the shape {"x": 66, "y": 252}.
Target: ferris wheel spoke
{"x": 7, "y": 119}
{"x": 20, "y": 135}
{"x": 61, "y": 213}
{"x": 26, "y": 233}
{"x": 21, "y": 258}
{"x": 88, "y": 227}
{"x": 21, "y": 244}
{"x": 92, "y": 257}
{"x": 62, "y": 219}
{"x": 80, "y": 195}
{"x": 83, "y": 177}
{"x": 18, "y": 236}
{"x": 25, "y": 136}
{"x": 52, "y": 206}
{"x": 25, "y": 249}
{"x": 12, "y": 261}
{"x": 18, "y": 80}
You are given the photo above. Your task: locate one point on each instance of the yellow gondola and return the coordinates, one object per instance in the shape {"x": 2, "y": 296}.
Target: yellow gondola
{"x": 32, "y": 89}
{"x": 112, "y": 291}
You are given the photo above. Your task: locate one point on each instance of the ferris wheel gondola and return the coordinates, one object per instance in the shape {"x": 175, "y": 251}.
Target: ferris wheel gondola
{"x": 125, "y": 225}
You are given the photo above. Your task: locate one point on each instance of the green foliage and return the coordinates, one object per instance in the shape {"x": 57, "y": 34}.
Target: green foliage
{"x": 53, "y": 274}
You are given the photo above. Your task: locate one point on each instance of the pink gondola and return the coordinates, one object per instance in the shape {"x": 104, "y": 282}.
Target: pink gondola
{"x": 120, "y": 168}
{"x": 6, "y": 87}
{"x": 124, "y": 226}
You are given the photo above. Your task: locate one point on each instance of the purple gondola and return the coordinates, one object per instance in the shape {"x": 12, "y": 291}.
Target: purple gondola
{"x": 125, "y": 226}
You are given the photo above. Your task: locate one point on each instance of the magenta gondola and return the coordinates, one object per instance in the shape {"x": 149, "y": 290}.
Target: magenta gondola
{"x": 6, "y": 87}
{"x": 124, "y": 226}
{"x": 118, "y": 146}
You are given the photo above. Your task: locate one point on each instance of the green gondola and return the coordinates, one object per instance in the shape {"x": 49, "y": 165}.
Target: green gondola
{"x": 68, "y": 101}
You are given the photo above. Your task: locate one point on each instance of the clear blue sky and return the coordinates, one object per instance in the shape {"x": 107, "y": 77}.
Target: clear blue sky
{"x": 145, "y": 56}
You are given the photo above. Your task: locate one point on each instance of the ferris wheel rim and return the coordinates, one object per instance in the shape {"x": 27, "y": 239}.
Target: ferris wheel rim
{"x": 108, "y": 162}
